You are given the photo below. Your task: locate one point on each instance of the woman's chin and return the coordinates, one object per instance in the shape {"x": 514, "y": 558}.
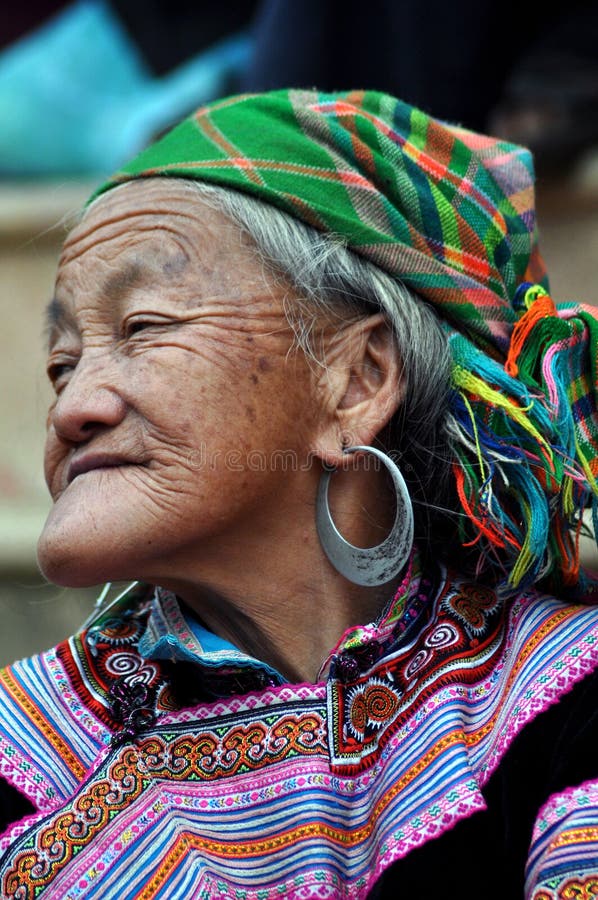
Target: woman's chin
{"x": 71, "y": 554}
{"x": 65, "y": 568}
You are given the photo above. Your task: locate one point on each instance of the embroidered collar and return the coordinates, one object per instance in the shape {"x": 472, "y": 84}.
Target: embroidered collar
{"x": 165, "y": 661}
{"x": 361, "y": 646}
{"x": 195, "y": 665}
{"x": 173, "y": 634}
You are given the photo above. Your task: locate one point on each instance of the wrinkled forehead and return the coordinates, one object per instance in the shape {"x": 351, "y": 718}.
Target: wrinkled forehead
{"x": 164, "y": 206}
{"x": 155, "y": 233}
{"x": 160, "y": 195}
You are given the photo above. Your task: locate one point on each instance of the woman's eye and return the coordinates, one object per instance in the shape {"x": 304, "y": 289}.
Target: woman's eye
{"x": 58, "y": 374}
{"x": 135, "y": 326}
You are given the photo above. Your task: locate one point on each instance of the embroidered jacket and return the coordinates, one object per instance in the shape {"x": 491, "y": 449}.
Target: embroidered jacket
{"x": 205, "y": 777}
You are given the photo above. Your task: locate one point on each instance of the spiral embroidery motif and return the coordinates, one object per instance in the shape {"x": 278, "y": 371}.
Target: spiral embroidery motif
{"x": 443, "y": 636}
{"x": 371, "y": 706}
{"x": 472, "y": 605}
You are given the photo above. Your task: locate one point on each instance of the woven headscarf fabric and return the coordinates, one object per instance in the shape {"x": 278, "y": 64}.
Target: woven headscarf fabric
{"x": 450, "y": 214}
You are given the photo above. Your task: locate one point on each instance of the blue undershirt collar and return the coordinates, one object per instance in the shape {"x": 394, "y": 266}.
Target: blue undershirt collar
{"x": 175, "y": 634}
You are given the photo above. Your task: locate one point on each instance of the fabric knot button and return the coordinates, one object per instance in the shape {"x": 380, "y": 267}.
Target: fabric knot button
{"x": 347, "y": 668}
{"x": 368, "y": 655}
{"x": 126, "y": 696}
{"x": 526, "y": 294}
{"x": 133, "y": 706}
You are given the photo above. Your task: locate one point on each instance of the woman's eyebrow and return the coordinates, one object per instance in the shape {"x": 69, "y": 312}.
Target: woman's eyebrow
{"x": 118, "y": 283}
{"x": 58, "y": 318}
{"x": 55, "y": 313}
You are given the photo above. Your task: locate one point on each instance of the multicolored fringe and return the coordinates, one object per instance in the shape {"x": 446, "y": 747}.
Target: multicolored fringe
{"x": 526, "y": 470}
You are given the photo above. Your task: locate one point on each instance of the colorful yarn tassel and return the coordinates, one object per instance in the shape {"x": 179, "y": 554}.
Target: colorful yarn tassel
{"x": 527, "y": 476}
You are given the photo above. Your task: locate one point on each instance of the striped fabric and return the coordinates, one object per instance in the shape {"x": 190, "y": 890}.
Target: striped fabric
{"x": 67, "y": 737}
{"x": 563, "y": 861}
{"x": 296, "y": 790}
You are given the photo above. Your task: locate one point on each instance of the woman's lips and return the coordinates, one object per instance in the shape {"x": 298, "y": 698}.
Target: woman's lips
{"x": 89, "y": 462}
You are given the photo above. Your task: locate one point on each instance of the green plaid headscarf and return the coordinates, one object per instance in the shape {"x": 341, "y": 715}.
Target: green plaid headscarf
{"x": 451, "y": 215}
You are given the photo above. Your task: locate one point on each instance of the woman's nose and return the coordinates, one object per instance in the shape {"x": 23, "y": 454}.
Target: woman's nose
{"x": 88, "y": 403}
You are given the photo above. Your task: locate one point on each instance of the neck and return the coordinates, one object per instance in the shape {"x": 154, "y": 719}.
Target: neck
{"x": 291, "y": 619}
{"x": 275, "y": 595}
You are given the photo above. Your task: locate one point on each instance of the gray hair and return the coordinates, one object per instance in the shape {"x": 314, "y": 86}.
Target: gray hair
{"x": 333, "y": 281}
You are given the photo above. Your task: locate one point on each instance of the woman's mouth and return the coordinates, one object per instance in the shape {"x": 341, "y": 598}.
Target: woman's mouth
{"x": 91, "y": 462}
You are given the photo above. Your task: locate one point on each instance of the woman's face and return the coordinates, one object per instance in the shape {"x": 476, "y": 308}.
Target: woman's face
{"x": 176, "y": 386}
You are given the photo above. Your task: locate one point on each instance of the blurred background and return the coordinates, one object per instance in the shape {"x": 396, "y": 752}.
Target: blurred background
{"x": 85, "y": 85}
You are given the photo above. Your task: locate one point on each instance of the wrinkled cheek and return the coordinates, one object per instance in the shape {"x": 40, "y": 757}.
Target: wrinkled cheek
{"x": 54, "y": 458}
{"x": 195, "y": 480}
{"x": 170, "y": 455}
{"x": 164, "y": 500}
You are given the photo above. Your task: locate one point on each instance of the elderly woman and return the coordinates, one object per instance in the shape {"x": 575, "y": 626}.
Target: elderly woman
{"x": 312, "y": 396}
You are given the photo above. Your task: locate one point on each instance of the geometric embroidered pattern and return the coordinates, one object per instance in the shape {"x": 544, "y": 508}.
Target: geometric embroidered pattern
{"x": 461, "y": 644}
{"x": 292, "y": 791}
{"x": 187, "y": 757}
{"x": 563, "y": 860}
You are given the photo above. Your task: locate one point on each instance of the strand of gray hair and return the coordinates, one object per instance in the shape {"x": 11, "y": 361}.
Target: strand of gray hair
{"x": 328, "y": 280}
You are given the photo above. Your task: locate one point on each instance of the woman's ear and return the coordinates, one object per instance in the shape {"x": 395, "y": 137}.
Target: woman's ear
{"x": 362, "y": 385}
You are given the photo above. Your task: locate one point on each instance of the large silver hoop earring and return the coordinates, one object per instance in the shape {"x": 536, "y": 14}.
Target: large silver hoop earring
{"x": 371, "y": 565}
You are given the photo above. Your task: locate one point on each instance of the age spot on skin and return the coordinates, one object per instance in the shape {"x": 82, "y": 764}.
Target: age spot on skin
{"x": 176, "y": 264}
{"x": 264, "y": 364}
{"x": 120, "y": 282}
{"x": 254, "y": 378}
